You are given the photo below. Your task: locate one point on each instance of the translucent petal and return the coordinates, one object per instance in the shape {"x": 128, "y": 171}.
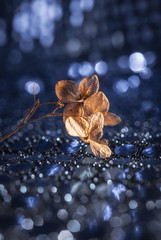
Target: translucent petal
{"x": 89, "y": 86}
{"x": 67, "y": 91}
{"x": 93, "y": 138}
{"x": 73, "y": 109}
{"x": 111, "y": 119}
{"x": 96, "y": 103}
{"x": 100, "y": 148}
{"x": 77, "y": 126}
{"x": 85, "y": 139}
{"x": 96, "y": 123}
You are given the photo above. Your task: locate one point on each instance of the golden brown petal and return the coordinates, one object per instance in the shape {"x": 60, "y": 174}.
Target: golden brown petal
{"x": 67, "y": 91}
{"x": 100, "y": 148}
{"x": 77, "y": 126}
{"x": 93, "y": 138}
{"x": 85, "y": 139}
{"x": 111, "y": 119}
{"x": 73, "y": 109}
{"x": 96, "y": 123}
{"x": 96, "y": 103}
{"x": 88, "y": 86}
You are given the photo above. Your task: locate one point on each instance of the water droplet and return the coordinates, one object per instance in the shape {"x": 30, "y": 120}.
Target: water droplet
{"x": 70, "y": 147}
{"x": 125, "y": 150}
{"x": 50, "y": 169}
{"x": 152, "y": 151}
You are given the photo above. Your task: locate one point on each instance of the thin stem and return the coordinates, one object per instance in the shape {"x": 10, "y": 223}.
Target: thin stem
{"x": 71, "y": 115}
{"x": 52, "y": 114}
{"x": 37, "y": 119}
{"x": 34, "y": 94}
{"x": 79, "y": 101}
{"x": 11, "y": 133}
{"x": 48, "y": 103}
{"x": 29, "y": 115}
{"x": 33, "y": 110}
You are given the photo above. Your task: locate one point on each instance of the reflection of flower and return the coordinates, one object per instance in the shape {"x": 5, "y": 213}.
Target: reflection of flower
{"x": 87, "y": 112}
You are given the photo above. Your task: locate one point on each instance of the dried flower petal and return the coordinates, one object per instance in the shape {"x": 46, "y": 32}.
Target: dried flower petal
{"x": 77, "y": 126}
{"x": 111, "y": 119}
{"x": 96, "y": 103}
{"x": 86, "y": 118}
{"x": 67, "y": 91}
{"x": 85, "y": 139}
{"x": 73, "y": 109}
{"x": 89, "y": 86}
{"x": 100, "y": 148}
{"x": 96, "y": 123}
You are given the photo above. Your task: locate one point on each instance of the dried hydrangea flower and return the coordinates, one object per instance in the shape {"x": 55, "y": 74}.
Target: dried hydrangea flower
{"x": 69, "y": 91}
{"x": 84, "y": 116}
{"x": 96, "y": 101}
{"x": 99, "y": 103}
{"x": 73, "y": 109}
{"x": 90, "y": 130}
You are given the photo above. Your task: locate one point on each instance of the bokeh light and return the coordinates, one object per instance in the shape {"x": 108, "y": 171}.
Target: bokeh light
{"x": 137, "y": 62}
{"x": 29, "y": 87}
